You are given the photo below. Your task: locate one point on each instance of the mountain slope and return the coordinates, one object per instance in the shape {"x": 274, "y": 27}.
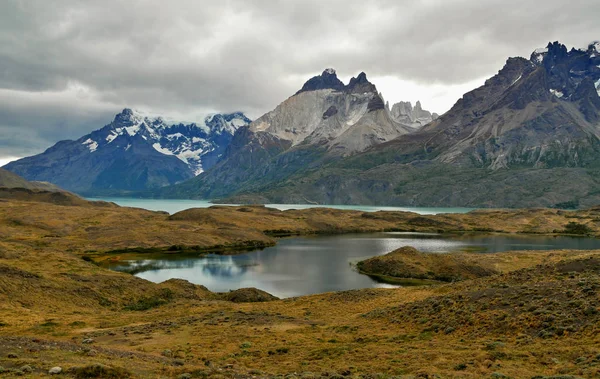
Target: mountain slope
{"x": 132, "y": 153}
{"x": 541, "y": 112}
{"x": 323, "y": 122}
{"x": 530, "y": 136}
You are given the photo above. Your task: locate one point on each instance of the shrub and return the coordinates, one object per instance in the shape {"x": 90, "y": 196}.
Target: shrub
{"x": 577, "y": 228}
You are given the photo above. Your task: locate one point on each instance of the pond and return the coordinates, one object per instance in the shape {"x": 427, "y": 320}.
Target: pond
{"x": 309, "y": 265}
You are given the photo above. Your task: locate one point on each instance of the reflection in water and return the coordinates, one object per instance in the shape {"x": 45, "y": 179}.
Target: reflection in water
{"x": 307, "y": 265}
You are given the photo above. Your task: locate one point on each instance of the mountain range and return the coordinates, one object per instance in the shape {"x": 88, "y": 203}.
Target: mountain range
{"x": 134, "y": 152}
{"x": 325, "y": 121}
{"x": 530, "y": 136}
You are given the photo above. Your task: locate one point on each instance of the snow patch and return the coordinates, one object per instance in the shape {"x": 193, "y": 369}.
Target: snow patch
{"x": 91, "y": 144}
{"x": 538, "y": 54}
{"x": 539, "y": 58}
{"x": 132, "y": 130}
{"x": 194, "y": 156}
{"x": 162, "y": 150}
{"x": 556, "y": 93}
{"x": 238, "y": 122}
{"x": 598, "y": 87}
{"x": 127, "y": 147}
{"x": 516, "y": 80}
{"x": 175, "y": 136}
{"x": 111, "y": 137}
{"x": 330, "y": 71}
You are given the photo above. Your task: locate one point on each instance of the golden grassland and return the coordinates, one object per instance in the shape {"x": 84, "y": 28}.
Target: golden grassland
{"x": 537, "y": 314}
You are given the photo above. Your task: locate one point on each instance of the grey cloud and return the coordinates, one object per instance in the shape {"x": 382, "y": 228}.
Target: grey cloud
{"x": 189, "y": 57}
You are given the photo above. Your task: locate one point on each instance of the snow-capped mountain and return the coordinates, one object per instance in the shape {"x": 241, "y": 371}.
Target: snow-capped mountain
{"x": 134, "y": 152}
{"x": 199, "y": 145}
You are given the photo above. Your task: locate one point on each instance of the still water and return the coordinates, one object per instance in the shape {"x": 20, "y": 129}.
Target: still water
{"x": 308, "y": 265}
{"x": 173, "y": 206}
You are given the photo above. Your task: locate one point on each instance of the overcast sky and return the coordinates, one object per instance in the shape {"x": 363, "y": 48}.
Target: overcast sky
{"x": 67, "y": 66}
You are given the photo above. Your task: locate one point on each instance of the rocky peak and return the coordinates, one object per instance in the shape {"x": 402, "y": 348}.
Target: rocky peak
{"x": 229, "y": 123}
{"x": 416, "y": 116}
{"x": 566, "y": 71}
{"x": 327, "y": 80}
{"x": 127, "y": 117}
{"x": 557, "y": 53}
{"x": 361, "y": 84}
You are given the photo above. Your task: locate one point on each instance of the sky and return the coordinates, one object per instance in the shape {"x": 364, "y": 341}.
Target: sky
{"x": 68, "y": 66}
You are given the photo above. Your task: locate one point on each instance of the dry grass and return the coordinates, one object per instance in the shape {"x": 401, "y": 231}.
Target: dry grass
{"x": 407, "y": 262}
{"x": 538, "y": 316}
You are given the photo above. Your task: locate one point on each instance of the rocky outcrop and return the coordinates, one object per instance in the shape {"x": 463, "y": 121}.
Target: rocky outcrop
{"x": 409, "y": 263}
{"x": 416, "y": 117}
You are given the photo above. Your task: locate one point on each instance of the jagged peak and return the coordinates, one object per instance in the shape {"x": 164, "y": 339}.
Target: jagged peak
{"x": 556, "y": 48}
{"x": 404, "y": 112}
{"x": 327, "y": 80}
{"x": 129, "y": 117}
{"x": 361, "y": 84}
{"x": 556, "y": 51}
{"x": 361, "y": 78}
{"x": 133, "y": 117}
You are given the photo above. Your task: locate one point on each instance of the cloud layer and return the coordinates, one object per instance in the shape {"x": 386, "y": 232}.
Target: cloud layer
{"x": 67, "y": 66}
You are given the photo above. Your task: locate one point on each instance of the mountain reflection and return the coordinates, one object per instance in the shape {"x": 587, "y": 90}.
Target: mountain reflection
{"x": 216, "y": 266}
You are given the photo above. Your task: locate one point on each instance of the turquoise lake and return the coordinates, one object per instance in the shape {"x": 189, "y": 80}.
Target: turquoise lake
{"x": 174, "y": 206}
